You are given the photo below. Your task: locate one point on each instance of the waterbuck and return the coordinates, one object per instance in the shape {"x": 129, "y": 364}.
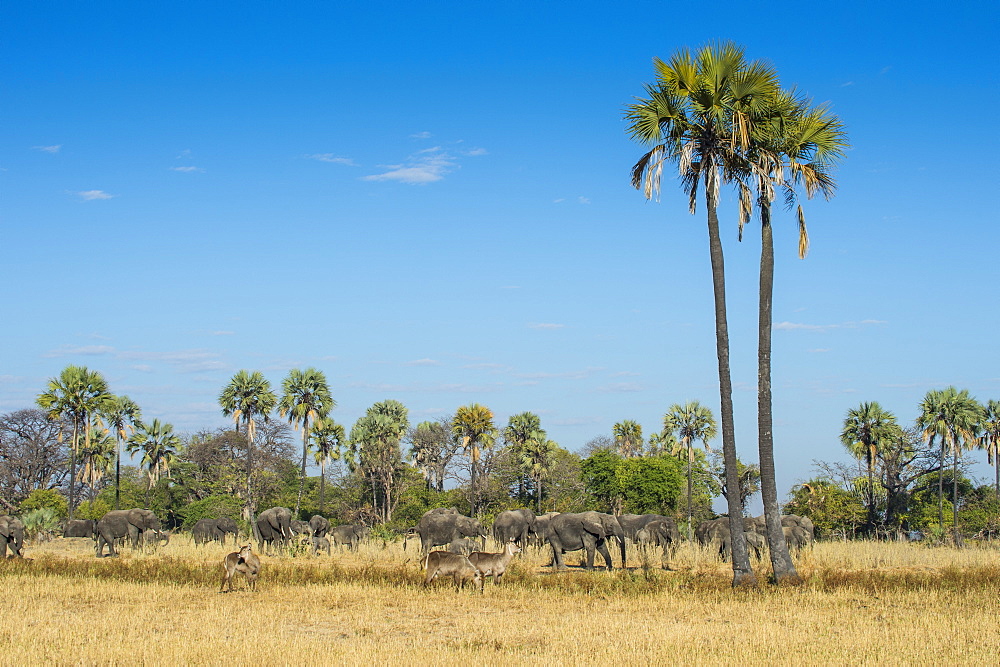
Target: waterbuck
{"x": 456, "y": 566}
{"x": 494, "y": 565}
{"x": 245, "y": 562}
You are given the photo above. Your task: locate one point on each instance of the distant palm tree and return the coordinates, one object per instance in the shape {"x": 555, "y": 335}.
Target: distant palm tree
{"x": 867, "y": 429}
{"x": 97, "y": 459}
{"x": 473, "y": 425}
{"x": 306, "y": 398}
{"x": 158, "y": 445}
{"x": 246, "y": 398}
{"x": 990, "y": 438}
{"x": 79, "y": 395}
{"x": 375, "y": 448}
{"x": 688, "y": 423}
{"x": 517, "y": 432}
{"x": 121, "y": 415}
{"x": 661, "y": 442}
{"x": 537, "y": 457}
{"x": 953, "y": 416}
{"x": 702, "y": 115}
{"x": 327, "y": 438}
{"x": 628, "y": 438}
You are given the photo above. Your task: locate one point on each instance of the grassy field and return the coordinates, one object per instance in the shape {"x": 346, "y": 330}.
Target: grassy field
{"x": 860, "y": 603}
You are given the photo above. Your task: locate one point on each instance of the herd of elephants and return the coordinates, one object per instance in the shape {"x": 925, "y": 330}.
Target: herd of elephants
{"x": 590, "y": 532}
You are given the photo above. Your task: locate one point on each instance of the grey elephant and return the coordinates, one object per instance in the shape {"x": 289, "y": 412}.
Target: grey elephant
{"x": 120, "y": 524}
{"x": 80, "y": 528}
{"x": 441, "y": 526}
{"x": 11, "y": 537}
{"x": 300, "y": 527}
{"x": 273, "y": 525}
{"x": 320, "y": 544}
{"x": 589, "y": 531}
{"x": 513, "y": 526}
{"x": 463, "y": 545}
{"x": 151, "y": 539}
{"x": 349, "y": 536}
{"x": 209, "y": 530}
{"x": 632, "y": 523}
{"x": 660, "y": 533}
{"x": 319, "y": 526}
{"x": 802, "y": 522}
{"x": 715, "y": 535}
{"x": 539, "y": 533}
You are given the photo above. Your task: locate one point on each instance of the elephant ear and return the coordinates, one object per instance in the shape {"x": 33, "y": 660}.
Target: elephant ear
{"x": 592, "y": 526}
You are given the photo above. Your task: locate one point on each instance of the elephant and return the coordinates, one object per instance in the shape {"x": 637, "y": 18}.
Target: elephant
{"x": 441, "y": 526}
{"x": 796, "y": 537}
{"x": 716, "y": 535}
{"x": 539, "y": 533}
{"x": 589, "y": 531}
{"x": 273, "y": 525}
{"x": 803, "y": 522}
{"x": 320, "y": 544}
{"x": 300, "y": 527}
{"x": 513, "y": 526}
{"x": 349, "y": 536}
{"x": 12, "y": 536}
{"x": 660, "y": 533}
{"x": 81, "y": 528}
{"x": 319, "y": 526}
{"x": 462, "y": 545}
{"x": 119, "y": 524}
{"x": 151, "y": 539}
{"x": 632, "y": 523}
{"x": 208, "y": 530}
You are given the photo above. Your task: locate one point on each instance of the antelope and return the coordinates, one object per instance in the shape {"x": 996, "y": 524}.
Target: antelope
{"x": 494, "y": 565}
{"x": 456, "y": 566}
{"x": 245, "y": 562}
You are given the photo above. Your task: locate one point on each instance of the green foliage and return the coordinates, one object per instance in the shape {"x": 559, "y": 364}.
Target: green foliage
{"x": 832, "y": 509}
{"x": 600, "y": 476}
{"x": 650, "y": 485}
{"x": 980, "y": 513}
{"x": 93, "y": 509}
{"x": 40, "y": 521}
{"x": 212, "y": 507}
{"x": 46, "y": 498}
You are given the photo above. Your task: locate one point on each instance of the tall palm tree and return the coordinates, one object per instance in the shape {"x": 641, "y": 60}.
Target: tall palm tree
{"x": 537, "y": 457}
{"x": 97, "y": 458}
{"x": 121, "y": 415}
{"x": 661, "y": 442}
{"x": 306, "y": 398}
{"x": 701, "y": 114}
{"x": 688, "y": 423}
{"x": 628, "y": 437}
{"x": 517, "y": 432}
{"x": 248, "y": 397}
{"x": 866, "y": 429}
{"x": 805, "y": 141}
{"x": 375, "y": 447}
{"x": 158, "y": 445}
{"x": 990, "y": 438}
{"x": 327, "y": 437}
{"x": 473, "y": 425}
{"x": 78, "y": 394}
{"x": 953, "y": 416}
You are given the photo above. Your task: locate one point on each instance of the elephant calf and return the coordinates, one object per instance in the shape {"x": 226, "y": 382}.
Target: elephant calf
{"x": 245, "y": 562}
{"x": 456, "y": 566}
{"x": 320, "y": 544}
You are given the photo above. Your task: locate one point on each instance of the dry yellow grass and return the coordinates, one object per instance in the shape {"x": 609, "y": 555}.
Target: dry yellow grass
{"x": 861, "y": 603}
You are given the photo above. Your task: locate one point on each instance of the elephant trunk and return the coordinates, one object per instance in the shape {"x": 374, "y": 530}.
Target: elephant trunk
{"x": 621, "y": 544}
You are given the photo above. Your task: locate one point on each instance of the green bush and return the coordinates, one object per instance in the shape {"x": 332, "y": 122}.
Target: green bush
{"x": 212, "y": 507}
{"x": 46, "y": 498}
{"x": 92, "y": 510}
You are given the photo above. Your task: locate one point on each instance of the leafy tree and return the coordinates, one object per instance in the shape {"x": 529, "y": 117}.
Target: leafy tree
{"x": 306, "y": 398}
{"x": 749, "y": 477}
{"x": 831, "y": 508}
{"x": 867, "y": 428}
{"x": 158, "y": 444}
{"x": 211, "y": 507}
{"x": 327, "y": 439}
{"x": 688, "y": 423}
{"x": 121, "y": 415}
{"x": 432, "y": 447}
{"x": 805, "y": 141}
{"x": 600, "y": 476}
{"x": 32, "y": 455}
{"x": 78, "y": 395}
{"x": 248, "y": 397}
{"x": 473, "y": 427}
{"x": 628, "y": 438}
{"x": 375, "y": 450}
{"x": 649, "y": 484}
{"x": 45, "y": 499}
{"x": 701, "y": 114}
{"x": 93, "y": 509}
{"x": 953, "y": 416}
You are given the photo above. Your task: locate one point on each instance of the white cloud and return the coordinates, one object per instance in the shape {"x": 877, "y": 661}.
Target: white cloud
{"x": 583, "y": 200}
{"x": 424, "y": 166}
{"x": 48, "y": 149}
{"x": 559, "y": 201}
{"x": 80, "y": 350}
{"x": 423, "y": 362}
{"x": 94, "y": 195}
{"x": 143, "y": 368}
{"x": 187, "y": 170}
{"x": 421, "y": 135}
{"x": 846, "y": 84}
{"x": 543, "y": 325}
{"x": 331, "y": 158}
{"x": 475, "y": 152}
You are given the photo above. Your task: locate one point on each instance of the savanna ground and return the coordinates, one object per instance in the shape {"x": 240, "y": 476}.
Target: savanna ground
{"x": 861, "y": 603}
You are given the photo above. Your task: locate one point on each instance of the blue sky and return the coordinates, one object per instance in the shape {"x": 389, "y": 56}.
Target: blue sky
{"x": 432, "y": 204}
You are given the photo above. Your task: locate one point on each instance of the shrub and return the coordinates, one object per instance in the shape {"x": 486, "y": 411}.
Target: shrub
{"x": 92, "y": 510}
{"x": 212, "y": 507}
{"x": 46, "y": 498}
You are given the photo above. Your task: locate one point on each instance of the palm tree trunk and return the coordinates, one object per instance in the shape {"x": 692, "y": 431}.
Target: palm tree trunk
{"x": 781, "y": 560}
{"x": 118, "y": 472}
{"x": 690, "y": 491}
{"x": 475, "y": 458}
{"x": 249, "y": 511}
{"x": 996, "y": 460}
{"x": 302, "y": 471}
{"x": 322, "y": 485}
{"x": 72, "y": 469}
{"x": 742, "y": 572}
{"x": 954, "y": 495}
{"x": 538, "y": 494}
{"x": 941, "y": 489}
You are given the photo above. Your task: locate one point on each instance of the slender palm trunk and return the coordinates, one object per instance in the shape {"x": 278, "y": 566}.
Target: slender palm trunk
{"x": 954, "y": 494}
{"x": 941, "y": 488}
{"x": 322, "y": 485}
{"x": 996, "y": 460}
{"x": 249, "y": 505}
{"x": 72, "y": 469}
{"x": 742, "y": 572}
{"x": 302, "y": 472}
{"x": 871, "y": 495}
{"x": 690, "y": 492}
{"x": 475, "y": 461}
{"x": 118, "y": 472}
{"x": 781, "y": 560}
{"x": 538, "y": 494}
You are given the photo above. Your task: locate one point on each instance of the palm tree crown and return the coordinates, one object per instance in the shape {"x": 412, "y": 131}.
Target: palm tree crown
{"x": 122, "y": 415}
{"x": 473, "y": 425}
{"x": 158, "y": 444}
{"x": 246, "y": 398}
{"x": 306, "y": 398}
{"x": 628, "y": 437}
{"x": 688, "y": 423}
